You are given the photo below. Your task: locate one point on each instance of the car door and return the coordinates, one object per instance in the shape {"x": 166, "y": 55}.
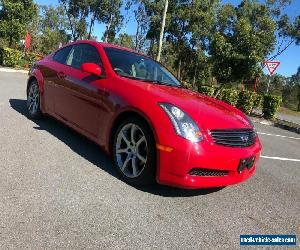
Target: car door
{"x": 79, "y": 96}
{"x": 51, "y": 71}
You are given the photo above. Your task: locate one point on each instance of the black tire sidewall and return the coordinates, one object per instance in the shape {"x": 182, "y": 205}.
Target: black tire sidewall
{"x": 148, "y": 174}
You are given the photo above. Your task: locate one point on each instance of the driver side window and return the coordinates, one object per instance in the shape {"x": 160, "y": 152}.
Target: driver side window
{"x": 141, "y": 70}
{"x": 83, "y": 53}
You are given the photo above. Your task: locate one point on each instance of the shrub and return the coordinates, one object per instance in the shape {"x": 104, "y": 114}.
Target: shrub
{"x": 187, "y": 84}
{"x": 271, "y": 104}
{"x": 1, "y": 56}
{"x": 258, "y": 101}
{"x": 206, "y": 90}
{"x": 246, "y": 101}
{"x": 31, "y": 58}
{"x": 10, "y": 57}
{"x": 229, "y": 95}
{"x": 14, "y": 58}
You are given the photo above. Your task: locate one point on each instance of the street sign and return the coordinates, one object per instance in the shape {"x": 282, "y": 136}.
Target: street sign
{"x": 272, "y": 66}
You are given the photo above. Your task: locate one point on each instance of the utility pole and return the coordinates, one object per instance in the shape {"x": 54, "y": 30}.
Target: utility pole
{"x": 162, "y": 30}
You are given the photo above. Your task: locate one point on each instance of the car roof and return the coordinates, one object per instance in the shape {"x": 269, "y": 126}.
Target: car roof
{"x": 105, "y": 45}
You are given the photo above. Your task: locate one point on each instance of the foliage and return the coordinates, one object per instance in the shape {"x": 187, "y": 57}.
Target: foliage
{"x": 206, "y": 90}
{"x": 229, "y": 95}
{"x": 15, "y": 15}
{"x": 31, "y": 58}
{"x": 257, "y": 102}
{"x": 109, "y": 14}
{"x": 271, "y": 103}
{"x": 15, "y": 58}
{"x": 125, "y": 40}
{"x": 77, "y": 13}
{"x": 291, "y": 92}
{"x": 245, "y": 37}
{"x": 246, "y": 101}
{"x": 10, "y": 57}
{"x": 142, "y": 21}
{"x": 52, "y": 26}
{"x": 187, "y": 85}
{"x": 287, "y": 87}
{"x": 205, "y": 42}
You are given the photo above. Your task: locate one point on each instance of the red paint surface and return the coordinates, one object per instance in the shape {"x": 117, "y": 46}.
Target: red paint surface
{"x": 91, "y": 105}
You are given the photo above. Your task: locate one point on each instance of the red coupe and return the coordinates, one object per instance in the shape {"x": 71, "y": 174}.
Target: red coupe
{"x": 138, "y": 112}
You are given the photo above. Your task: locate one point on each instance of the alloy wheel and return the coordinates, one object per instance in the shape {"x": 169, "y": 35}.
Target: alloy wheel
{"x": 131, "y": 150}
{"x": 33, "y": 99}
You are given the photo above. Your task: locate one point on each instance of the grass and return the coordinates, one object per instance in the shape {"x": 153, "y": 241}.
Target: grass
{"x": 287, "y": 111}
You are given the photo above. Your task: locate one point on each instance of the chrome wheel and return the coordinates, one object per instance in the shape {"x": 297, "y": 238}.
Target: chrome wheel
{"x": 131, "y": 150}
{"x": 33, "y": 99}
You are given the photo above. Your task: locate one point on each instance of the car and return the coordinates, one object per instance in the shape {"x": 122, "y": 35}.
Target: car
{"x": 141, "y": 115}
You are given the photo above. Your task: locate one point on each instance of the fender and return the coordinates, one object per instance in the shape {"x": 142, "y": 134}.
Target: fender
{"x": 36, "y": 74}
{"x": 39, "y": 77}
{"x": 119, "y": 113}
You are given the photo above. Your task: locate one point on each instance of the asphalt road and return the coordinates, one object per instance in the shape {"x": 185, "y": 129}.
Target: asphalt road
{"x": 58, "y": 190}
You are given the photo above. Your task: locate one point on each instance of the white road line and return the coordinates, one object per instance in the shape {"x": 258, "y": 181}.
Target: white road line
{"x": 282, "y": 136}
{"x": 279, "y": 158}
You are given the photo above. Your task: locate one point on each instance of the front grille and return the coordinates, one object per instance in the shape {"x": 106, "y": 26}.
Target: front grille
{"x": 207, "y": 172}
{"x": 234, "y": 137}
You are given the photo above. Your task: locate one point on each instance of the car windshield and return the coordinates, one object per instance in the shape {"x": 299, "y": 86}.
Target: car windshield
{"x": 135, "y": 66}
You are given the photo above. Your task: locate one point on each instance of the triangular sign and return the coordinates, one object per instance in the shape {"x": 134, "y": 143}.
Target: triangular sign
{"x": 272, "y": 66}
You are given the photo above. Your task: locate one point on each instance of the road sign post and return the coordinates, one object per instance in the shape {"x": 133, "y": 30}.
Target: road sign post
{"x": 271, "y": 66}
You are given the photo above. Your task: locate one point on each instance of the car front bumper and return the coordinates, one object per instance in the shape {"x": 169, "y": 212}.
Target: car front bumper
{"x": 174, "y": 167}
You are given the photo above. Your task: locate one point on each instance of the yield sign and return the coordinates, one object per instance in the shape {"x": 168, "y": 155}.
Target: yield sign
{"x": 272, "y": 66}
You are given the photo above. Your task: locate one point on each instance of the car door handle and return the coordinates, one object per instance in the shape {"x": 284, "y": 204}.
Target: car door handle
{"x": 61, "y": 75}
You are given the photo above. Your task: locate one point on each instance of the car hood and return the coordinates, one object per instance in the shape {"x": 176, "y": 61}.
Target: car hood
{"x": 209, "y": 113}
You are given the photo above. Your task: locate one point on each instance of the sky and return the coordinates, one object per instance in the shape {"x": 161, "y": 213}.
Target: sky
{"x": 289, "y": 60}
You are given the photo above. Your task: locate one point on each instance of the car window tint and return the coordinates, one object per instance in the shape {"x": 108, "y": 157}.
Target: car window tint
{"x": 133, "y": 65}
{"x": 83, "y": 53}
{"x": 61, "y": 55}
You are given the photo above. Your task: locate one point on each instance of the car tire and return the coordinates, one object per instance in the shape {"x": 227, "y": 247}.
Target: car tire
{"x": 134, "y": 152}
{"x": 33, "y": 100}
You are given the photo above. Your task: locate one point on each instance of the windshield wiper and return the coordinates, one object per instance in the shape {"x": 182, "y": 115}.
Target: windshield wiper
{"x": 161, "y": 83}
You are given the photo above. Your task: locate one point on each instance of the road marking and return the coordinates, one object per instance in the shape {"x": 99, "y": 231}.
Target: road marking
{"x": 279, "y": 158}
{"x": 282, "y": 136}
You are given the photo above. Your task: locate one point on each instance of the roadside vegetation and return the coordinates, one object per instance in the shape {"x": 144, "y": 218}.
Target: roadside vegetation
{"x": 214, "y": 48}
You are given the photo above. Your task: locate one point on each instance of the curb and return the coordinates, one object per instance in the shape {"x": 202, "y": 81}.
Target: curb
{"x": 10, "y": 70}
{"x": 291, "y": 126}
{"x": 284, "y": 124}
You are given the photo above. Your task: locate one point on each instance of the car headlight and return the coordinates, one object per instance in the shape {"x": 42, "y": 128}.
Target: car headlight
{"x": 252, "y": 124}
{"x": 183, "y": 123}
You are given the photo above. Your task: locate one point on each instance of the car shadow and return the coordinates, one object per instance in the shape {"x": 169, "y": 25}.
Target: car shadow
{"x": 93, "y": 153}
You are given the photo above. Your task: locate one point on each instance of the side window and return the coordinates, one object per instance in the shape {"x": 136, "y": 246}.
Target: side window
{"x": 62, "y": 55}
{"x": 83, "y": 53}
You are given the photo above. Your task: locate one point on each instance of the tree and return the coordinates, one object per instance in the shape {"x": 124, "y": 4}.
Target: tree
{"x": 162, "y": 29}
{"x": 154, "y": 9}
{"x": 14, "y": 17}
{"x": 125, "y": 40}
{"x": 77, "y": 12}
{"x": 112, "y": 18}
{"x": 142, "y": 26}
{"x": 295, "y": 82}
{"x": 245, "y": 37}
{"x": 202, "y": 24}
{"x": 53, "y": 26}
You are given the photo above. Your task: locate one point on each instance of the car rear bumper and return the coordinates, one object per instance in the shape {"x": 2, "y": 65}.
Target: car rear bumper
{"x": 175, "y": 167}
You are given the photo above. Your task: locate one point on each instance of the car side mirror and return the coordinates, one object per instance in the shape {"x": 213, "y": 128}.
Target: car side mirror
{"x": 92, "y": 68}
